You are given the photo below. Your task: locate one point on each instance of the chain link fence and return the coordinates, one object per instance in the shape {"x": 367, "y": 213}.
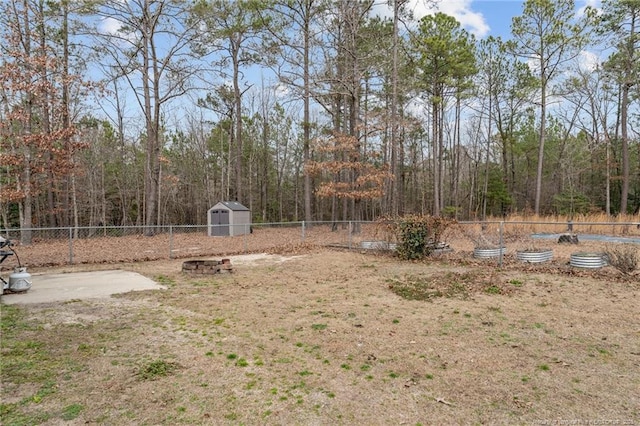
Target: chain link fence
{"x": 117, "y": 244}
{"x": 540, "y": 241}
{"x": 114, "y": 244}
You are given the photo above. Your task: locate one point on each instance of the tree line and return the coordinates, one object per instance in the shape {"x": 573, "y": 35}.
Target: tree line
{"x": 149, "y": 112}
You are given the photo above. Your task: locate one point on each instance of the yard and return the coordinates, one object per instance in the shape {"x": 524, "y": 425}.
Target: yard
{"x": 331, "y": 336}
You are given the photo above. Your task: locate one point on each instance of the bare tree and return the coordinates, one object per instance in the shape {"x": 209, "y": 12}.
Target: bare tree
{"x": 589, "y": 93}
{"x": 548, "y": 35}
{"x": 148, "y": 42}
{"x": 232, "y": 34}
{"x": 621, "y": 21}
{"x": 294, "y": 68}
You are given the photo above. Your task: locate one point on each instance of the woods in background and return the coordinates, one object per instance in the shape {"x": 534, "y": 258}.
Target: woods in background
{"x": 148, "y": 112}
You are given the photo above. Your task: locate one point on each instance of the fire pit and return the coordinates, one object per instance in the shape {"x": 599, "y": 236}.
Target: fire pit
{"x": 207, "y": 267}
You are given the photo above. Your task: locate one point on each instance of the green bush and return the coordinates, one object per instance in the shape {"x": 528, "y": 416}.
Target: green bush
{"x": 418, "y": 235}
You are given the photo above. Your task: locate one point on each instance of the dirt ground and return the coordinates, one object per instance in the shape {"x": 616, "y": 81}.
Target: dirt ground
{"x": 322, "y": 336}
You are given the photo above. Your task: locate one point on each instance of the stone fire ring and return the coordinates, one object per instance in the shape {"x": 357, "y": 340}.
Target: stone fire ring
{"x": 207, "y": 267}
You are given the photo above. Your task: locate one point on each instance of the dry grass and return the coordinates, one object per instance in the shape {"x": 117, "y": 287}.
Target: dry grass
{"x": 323, "y": 339}
{"x": 595, "y": 223}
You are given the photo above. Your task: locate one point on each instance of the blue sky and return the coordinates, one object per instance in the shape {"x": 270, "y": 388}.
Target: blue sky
{"x": 482, "y": 17}
{"x": 495, "y": 14}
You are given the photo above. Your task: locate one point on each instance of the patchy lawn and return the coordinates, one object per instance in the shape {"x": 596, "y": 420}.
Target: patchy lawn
{"x": 332, "y": 337}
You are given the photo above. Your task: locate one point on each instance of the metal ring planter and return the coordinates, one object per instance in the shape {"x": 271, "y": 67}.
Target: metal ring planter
{"x": 587, "y": 260}
{"x": 488, "y": 253}
{"x": 377, "y": 245}
{"x": 534, "y": 256}
{"x": 441, "y": 251}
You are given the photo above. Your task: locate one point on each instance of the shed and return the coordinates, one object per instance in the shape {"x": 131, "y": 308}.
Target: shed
{"x": 228, "y": 218}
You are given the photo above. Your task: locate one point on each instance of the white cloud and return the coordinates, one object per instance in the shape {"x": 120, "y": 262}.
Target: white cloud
{"x": 461, "y": 10}
{"x": 534, "y": 64}
{"x": 588, "y": 61}
{"x": 282, "y": 90}
{"x": 470, "y": 20}
{"x": 110, "y": 26}
{"x": 595, "y": 4}
{"x": 113, "y": 27}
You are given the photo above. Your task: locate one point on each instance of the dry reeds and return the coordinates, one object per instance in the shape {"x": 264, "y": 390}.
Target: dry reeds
{"x": 595, "y": 223}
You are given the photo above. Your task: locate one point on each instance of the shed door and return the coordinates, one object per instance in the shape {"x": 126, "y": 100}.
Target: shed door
{"x": 220, "y": 223}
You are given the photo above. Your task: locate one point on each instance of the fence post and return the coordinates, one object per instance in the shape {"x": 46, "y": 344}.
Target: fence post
{"x": 244, "y": 239}
{"x": 350, "y": 234}
{"x": 303, "y": 231}
{"x": 70, "y": 245}
{"x": 170, "y": 241}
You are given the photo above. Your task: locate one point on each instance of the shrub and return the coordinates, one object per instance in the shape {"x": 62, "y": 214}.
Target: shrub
{"x": 417, "y": 235}
{"x": 624, "y": 258}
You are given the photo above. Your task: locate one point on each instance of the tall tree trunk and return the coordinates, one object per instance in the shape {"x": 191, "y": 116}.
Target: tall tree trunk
{"x": 627, "y": 83}
{"x": 27, "y": 203}
{"x": 306, "y": 114}
{"x": 436, "y": 157}
{"x": 441, "y": 154}
{"x": 66, "y": 119}
{"x": 151, "y": 170}
{"x": 397, "y": 188}
{"x": 487, "y": 158}
{"x": 541, "y": 140}
{"x": 239, "y": 163}
{"x": 45, "y": 115}
{"x": 455, "y": 155}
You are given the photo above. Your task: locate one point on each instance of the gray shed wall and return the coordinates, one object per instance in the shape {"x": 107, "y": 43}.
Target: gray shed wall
{"x": 228, "y": 218}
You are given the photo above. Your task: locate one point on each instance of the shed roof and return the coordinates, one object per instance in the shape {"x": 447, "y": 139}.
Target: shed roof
{"x": 234, "y": 206}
